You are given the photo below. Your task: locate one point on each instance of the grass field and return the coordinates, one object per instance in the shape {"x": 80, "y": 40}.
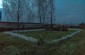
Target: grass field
{"x": 47, "y": 35}
{"x": 15, "y": 46}
{"x": 74, "y": 46}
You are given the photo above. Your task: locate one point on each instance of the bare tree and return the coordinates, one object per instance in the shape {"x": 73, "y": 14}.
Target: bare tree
{"x": 8, "y": 10}
{"x": 39, "y": 3}
{"x": 52, "y": 12}
{"x": 14, "y": 9}
{"x": 30, "y": 10}
{"x": 45, "y": 9}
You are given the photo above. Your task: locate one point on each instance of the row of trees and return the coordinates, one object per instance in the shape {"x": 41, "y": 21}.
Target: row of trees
{"x": 18, "y": 10}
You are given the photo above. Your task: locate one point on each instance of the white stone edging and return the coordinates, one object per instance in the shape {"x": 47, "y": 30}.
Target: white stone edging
{"x": 22, "y": 36}
{"x": 13, "y": 33}
{"x": 27, "y": 30}
{"x": 65, "y": 37}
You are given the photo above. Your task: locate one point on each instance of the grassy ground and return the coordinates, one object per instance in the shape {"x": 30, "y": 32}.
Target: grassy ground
{"x": 15, "y": 46}
{"x": 47, "y": 35}
{"x": 74, "y": 46}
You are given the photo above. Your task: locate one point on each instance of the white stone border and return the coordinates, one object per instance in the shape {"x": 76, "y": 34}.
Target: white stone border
{"x": 13, "y": 33}
{"x": 22, "y": 36}
{"x": 65, "y": 37}
{"x": 28, "y": 30}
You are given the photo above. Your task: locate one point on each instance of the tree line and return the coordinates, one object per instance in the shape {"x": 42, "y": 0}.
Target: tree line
{"x": 41, "y": 10}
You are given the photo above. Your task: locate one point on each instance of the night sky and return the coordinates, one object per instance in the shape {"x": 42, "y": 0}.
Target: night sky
{"x": 70, "y": 11}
